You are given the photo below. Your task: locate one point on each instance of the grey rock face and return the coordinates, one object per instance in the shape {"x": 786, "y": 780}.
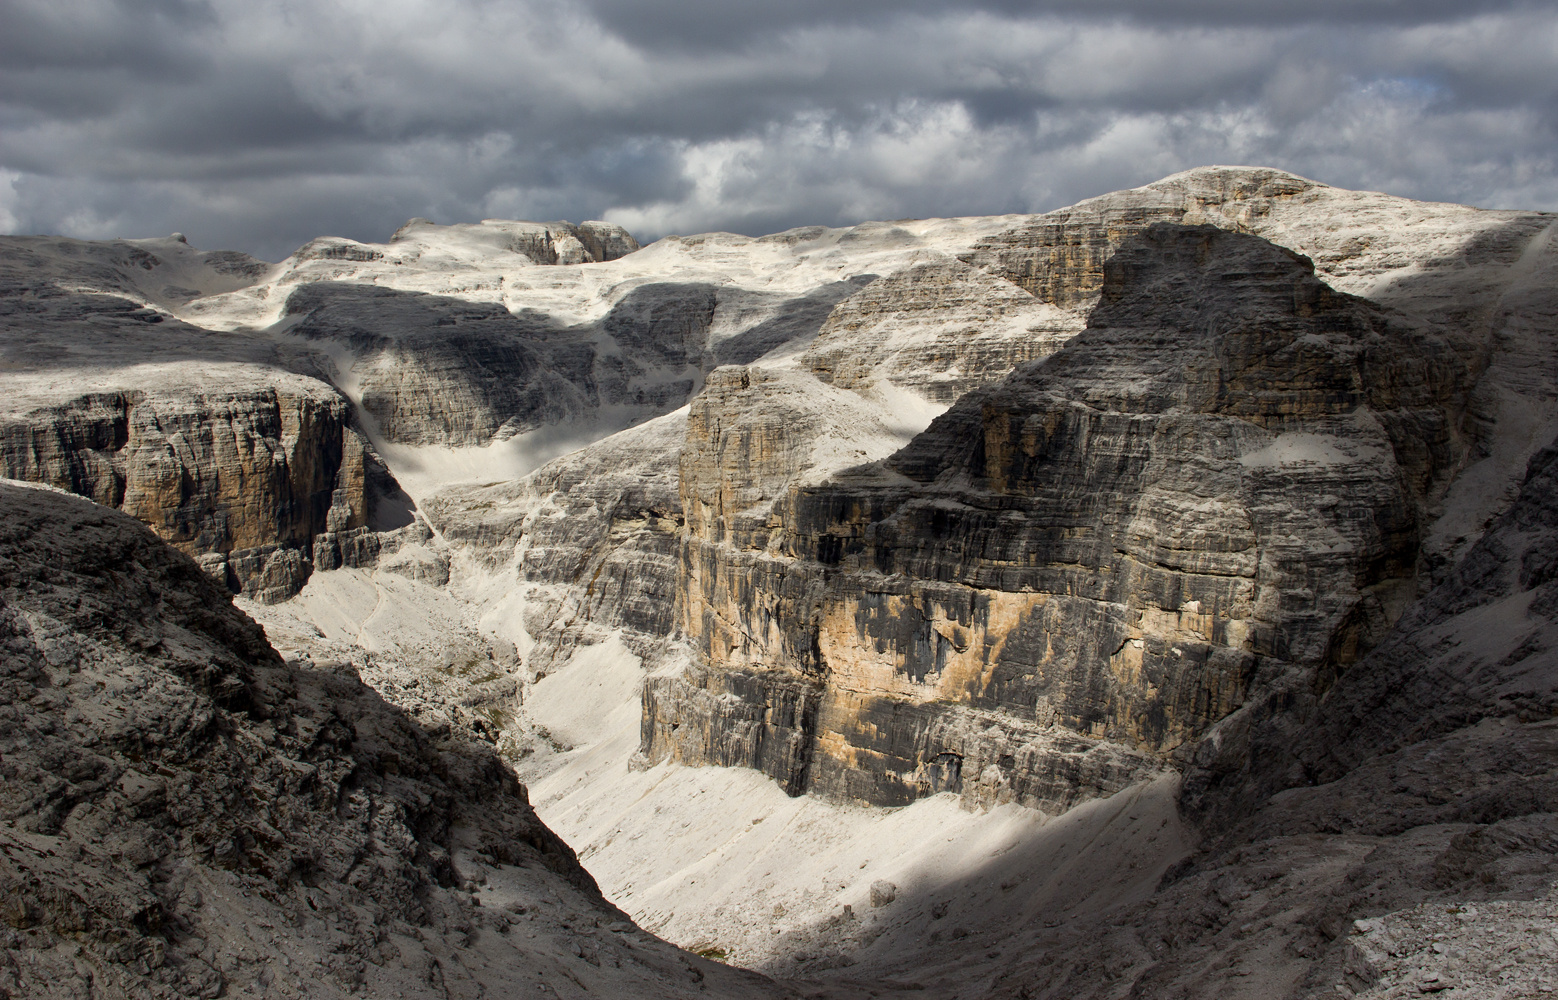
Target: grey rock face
{"x": 1177, "y": 543}
{"x": 183, "y": 814}
{"x": 226, "y": 446}
{"x": 422, "y": 368}
{"x": 438, "y": 370}
{"x": 1483, "y": 644}
{"x": 1060, "y": 257}
{"x": 164, "y": 272}
{"x": 1482, "y": 279}
{"x": 940, "y": 328}
{"x": 1395, "y": 836}
{"x": 246, "y": 480}
{"x": 592, "y": 538}
{"x": 1115, "y": 541}
{"x": 605, "y": 240}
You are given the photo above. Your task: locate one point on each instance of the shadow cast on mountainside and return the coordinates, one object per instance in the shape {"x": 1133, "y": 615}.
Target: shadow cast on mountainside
{"x": 43, "y": 329}
{"x": 1462, "y": 288}
{"x": 441, "y": 370}
{"x": 176, "y": 792}
{"x": 793, "y": 325}
{"x": 1389, "y": 710}
{"x": 966, "y": 914}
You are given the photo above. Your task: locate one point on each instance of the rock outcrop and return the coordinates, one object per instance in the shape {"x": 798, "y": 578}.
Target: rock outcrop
{"x": 1483, "y": 279}
{"x": 164, "y": 273}
{"x": 216, "y": 446}
{"x": 432, "y": 370}
{"x": 1482, "y": 645}
{"x": 1096, "y": 559}
{"x": 540, "y": 242}
{"x": 183, "y": 814}
{"x": 1155, "y": 555}
{"x": 591, "y": 540}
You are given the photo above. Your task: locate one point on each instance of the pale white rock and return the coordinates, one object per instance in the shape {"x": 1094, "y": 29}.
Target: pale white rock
{"x": 940, "y": 327}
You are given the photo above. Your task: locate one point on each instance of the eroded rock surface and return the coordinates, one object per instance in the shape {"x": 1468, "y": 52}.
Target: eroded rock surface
{"x": 183, "y": 814}
{"x": 940, "y": 328}
{"x": 1117, "y": 543}
{"x": 215, "y": 445}
{"x": 591, "y": 539}
{"x": 1159, "y": 549}
{"x": 1398, "y": 838}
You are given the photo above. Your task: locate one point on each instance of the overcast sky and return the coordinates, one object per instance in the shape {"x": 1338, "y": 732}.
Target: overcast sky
{"x": 259, "y": 124}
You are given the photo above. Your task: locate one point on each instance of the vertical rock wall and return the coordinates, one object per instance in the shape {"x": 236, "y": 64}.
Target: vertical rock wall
{"x": 244, "y": 481}
{"x": 1217, "y": 489}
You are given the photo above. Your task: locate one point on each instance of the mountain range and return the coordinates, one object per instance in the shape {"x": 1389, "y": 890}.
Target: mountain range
{"x": 1151, "y": 598}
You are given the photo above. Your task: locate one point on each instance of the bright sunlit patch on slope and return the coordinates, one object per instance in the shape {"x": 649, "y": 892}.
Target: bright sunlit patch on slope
{"x": 721, "y": 858}
{"x": 576, "y": 704}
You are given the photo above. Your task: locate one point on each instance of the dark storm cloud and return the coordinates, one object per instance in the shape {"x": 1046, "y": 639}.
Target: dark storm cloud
{"x": 260, "y": 125}
{"x": 695, "y": 23}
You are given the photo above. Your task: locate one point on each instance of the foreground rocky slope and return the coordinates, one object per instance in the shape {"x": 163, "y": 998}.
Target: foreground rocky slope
{"x": 186, "y": 815}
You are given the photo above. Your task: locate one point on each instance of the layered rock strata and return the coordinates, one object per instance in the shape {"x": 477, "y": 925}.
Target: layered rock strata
{"x": 185, "y": 815}
{"x": 1093, "y": 561}
{"x": 1395, "y": 837}
{"x": 433, "y": 370}
{"x": 1482, "y": 645}
{"x": 1483, "y": 278}
{"x": 245, "y": 466}
{"x": 939, "y": 328}
{"x": 458, "y": 336}
{"x": 591, "y": 540}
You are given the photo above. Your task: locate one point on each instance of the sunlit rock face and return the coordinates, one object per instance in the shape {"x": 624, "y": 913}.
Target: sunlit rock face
{"x": 1219, "y": 483}
{"x": 213, "y": 445}
{"x": 541, "y": 242}
{"x": 1180, "y": 485}
{"x": 1207, "y": 505}
{"x": 251, "y": 414}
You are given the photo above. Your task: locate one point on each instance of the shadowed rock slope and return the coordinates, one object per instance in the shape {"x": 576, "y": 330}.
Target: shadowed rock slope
{"x": 183, "y": 814}
{"x": 1397, "y": 838}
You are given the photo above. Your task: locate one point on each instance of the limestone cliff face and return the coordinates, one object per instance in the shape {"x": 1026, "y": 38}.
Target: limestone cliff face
{"x": 432, "y": 370}
{"x": 1071, "y": 573}
{"x": 592, "y": 540}
{"x": 243, "y": 480}
{"x": 230, "y": 447}
{"x": 1483, "y": 279}
{"x": 1059, "y": 257}
{"x": 1483, "y": 644}
{"x": 164, "y": 272}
